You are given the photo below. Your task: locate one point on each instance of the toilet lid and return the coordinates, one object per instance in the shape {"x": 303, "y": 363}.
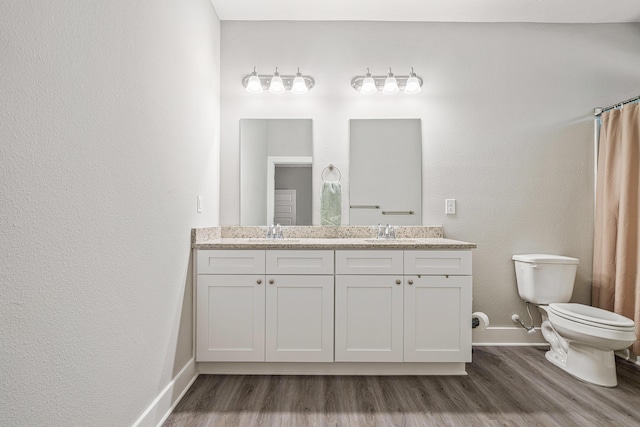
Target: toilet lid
{"x": 592, "y": 316}
{"x": 545, "y": 259}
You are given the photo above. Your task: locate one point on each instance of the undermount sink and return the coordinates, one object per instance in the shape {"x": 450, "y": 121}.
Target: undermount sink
{"x": 390, "y": 240}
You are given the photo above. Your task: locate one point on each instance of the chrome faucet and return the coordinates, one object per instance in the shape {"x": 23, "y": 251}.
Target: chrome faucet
{"x": 388, "y": 232}
{"x": 391, "y": 234}
{"x": 271, "y": 231}
{"x": 274, "y": 232}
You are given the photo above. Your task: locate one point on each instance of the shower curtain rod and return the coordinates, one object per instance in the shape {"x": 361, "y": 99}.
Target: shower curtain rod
{"x": 599, "y": 110}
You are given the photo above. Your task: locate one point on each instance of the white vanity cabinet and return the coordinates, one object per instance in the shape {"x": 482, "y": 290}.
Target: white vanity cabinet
{"x": 257, "y": 306}
{"x": 369, "y": 299}
{"x": 329, "y": 308}
{"x": 437, "y": 306}
{"x": 403, "y": 306}
{"x": 299, "y": 306}
{"x": 230, "y": 305}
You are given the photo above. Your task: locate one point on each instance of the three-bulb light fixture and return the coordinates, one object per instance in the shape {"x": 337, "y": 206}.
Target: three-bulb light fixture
{"x": 276, "y": 83}
{"x": 388, "y": 84}
{"x": 299, "y": 84}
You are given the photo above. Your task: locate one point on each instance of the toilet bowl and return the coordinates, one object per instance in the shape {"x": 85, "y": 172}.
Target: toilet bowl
{"x": 582, "y": 338}
{"x": 587, "y": 338}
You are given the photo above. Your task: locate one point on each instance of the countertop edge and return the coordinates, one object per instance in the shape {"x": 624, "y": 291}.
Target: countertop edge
{"x": 427, "y": 243}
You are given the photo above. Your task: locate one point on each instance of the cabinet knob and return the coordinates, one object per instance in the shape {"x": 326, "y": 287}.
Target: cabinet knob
{"x": 271, "y": 282}
{"x": 398, "y": 282}
{"x": 410, "y": 282}
{"x": 259, "y": 281}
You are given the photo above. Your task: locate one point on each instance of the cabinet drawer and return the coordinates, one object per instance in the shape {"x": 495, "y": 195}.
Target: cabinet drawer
{"x": 437, "y": 262}
{"x": 369, "y": 262}
{"x": 230, "y": 262}
{"x": 299, "y": 262}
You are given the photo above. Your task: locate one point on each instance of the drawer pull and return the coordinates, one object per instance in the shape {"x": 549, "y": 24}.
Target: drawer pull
{"x": 398, "y": 282}
{"x": 271, "y": 281}
{"x": 410, "y": 282}
{"x": 259, "y": 282}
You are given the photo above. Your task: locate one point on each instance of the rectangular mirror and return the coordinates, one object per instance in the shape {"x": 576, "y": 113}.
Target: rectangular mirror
{"x": 385, "y": 172}
{"x": 276, "y": 157}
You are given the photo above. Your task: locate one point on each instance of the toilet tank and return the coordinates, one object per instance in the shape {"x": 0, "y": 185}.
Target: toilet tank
{"x": 543, "y": 279}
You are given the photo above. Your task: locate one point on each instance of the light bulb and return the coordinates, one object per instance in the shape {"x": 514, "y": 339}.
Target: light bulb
{"x": 390, "y": 84}
{"x": 299, "y": 85}
{"x": 413, "y": 84}
{"x": 368, "y": 85}
{"x": 254, "y": 85}
{"x": 276, "y": 85}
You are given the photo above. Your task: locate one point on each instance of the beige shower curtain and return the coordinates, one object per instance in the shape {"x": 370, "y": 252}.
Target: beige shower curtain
{"x": 616, "y": 257}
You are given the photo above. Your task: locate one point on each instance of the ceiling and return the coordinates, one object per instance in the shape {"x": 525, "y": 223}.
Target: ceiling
{"x": 552, "y": 11}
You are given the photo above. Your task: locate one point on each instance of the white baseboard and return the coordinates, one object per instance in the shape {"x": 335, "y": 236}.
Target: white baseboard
{"x": 331, "y": 368}
{"x": 166, "y": 401}
{"x": 629, "y": 356}
{"x": 512, "y": 336}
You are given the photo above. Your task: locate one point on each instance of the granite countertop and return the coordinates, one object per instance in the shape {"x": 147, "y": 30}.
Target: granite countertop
{"x": 313, "y": 237}
{"x": 352, "y": 243}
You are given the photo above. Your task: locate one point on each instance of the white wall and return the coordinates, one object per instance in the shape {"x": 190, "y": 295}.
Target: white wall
{"x": 506, "y": 115}
{"x": 109, "y": 128}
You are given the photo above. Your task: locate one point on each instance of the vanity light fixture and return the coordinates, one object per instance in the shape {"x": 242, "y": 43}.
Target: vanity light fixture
{"x": 368, "y": 85}
{"x": 299, "y": 86}
{"x": 413, "y": 85}
{"x": 276, "y": 86}
{"x": 253, "y": 83}
{"x": 276, "y": 83}
{"x": 388, "y": 84}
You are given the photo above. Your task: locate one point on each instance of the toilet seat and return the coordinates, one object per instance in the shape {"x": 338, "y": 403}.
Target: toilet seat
{"x": 592, "y": 316}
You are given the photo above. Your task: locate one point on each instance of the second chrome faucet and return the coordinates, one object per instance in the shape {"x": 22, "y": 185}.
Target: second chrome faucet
{"x": 274, "y": 232}
{"x": 388, "y": 232}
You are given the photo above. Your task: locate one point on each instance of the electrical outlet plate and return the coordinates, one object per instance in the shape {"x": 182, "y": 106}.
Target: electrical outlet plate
{"x": 450, "y": 206}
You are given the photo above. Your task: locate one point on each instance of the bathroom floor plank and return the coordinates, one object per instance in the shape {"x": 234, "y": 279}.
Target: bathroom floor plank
{"x": 506, "y": 386}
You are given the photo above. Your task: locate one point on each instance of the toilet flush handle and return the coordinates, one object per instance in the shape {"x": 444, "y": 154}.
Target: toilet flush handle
{"x": 535, "y": 266}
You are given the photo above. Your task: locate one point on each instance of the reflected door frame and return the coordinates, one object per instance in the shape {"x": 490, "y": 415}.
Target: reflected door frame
{"x": 272, "y": 162}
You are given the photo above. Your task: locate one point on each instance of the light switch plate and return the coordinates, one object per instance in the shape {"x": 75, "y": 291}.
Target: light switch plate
{"x": 450, "y": 206}
{"x": 199, "y": 204}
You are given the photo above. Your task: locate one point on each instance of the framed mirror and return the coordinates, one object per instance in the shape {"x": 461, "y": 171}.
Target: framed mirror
{"x": 276, "y": 164}
{"x": 385, "y": 172}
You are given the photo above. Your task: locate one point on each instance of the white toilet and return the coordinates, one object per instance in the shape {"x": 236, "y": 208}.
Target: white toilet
{"x": 582, "y": 338}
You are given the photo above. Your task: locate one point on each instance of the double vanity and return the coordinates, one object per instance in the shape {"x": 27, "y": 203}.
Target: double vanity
{"x": 332, "y": 300}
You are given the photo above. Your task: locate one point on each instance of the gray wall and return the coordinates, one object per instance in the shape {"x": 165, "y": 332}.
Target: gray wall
{"x": 262, "y": 138}
{"x": 253, "y": 166}
{"x": 507, "y": 125}
{"x": 290, "y": 137}
{"x": 109, "y": 128}
{"x": 297, "y": 178}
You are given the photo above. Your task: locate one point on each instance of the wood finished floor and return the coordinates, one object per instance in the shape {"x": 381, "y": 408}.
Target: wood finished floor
{"x": 506, "y": 386}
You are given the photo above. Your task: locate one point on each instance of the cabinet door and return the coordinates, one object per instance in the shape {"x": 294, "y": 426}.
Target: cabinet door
{"x": 369, "y": 318}
{"x": 230, "y": 318}
{"x": 437, "y": 319}
{"x": 299, "y": 313}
